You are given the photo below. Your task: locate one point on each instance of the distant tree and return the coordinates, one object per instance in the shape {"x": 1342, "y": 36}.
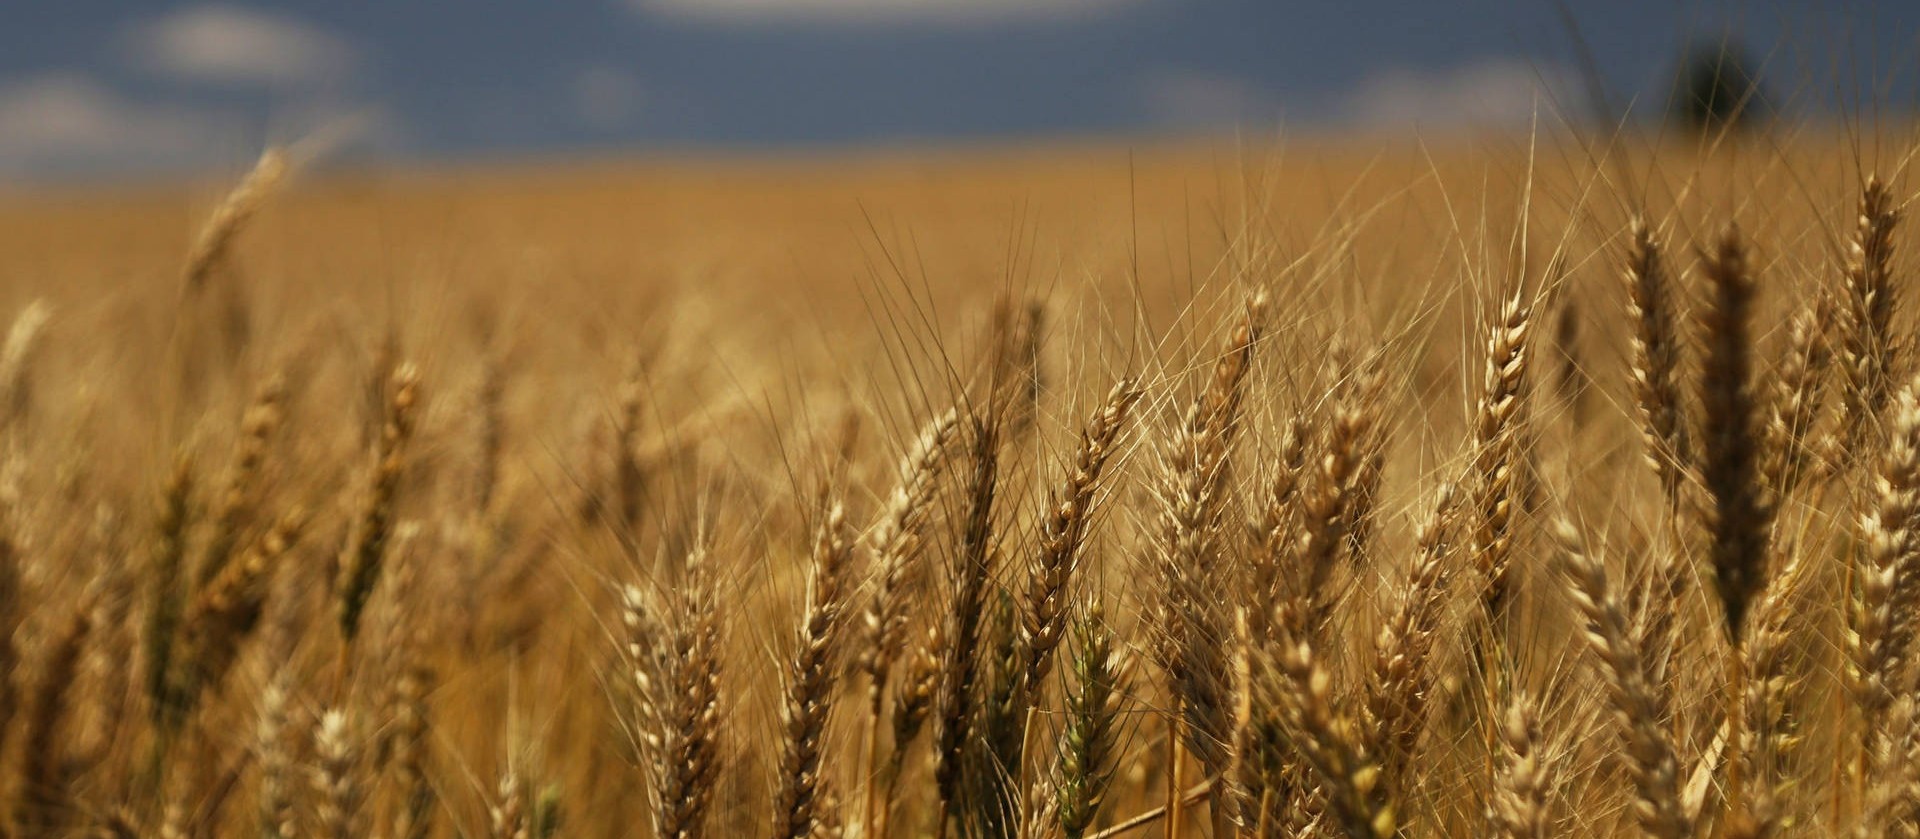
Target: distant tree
{"x": 1717, "y": 88}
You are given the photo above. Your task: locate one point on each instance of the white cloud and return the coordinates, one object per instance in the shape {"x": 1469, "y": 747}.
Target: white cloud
{"x": 880, "y": 12}
{"x": 606, "y": 97}
{"x": 61, "y": 123}
{"x": 1497, "y": 93}
{"x": 1188, "y": 99}
{"x": 233, "y": 46}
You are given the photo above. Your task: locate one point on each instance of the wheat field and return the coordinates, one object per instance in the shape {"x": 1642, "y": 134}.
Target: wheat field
{"x": 1518, "y": 487}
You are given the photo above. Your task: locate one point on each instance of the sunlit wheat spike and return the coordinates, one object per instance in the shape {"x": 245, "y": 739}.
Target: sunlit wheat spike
{"x": 225, "y": 612}
{"x": 507, "y": 818}
{"x": 1767, "y": 738}
{"x": 276, "y": 760}
{"x": 676, "y": 655}
{"x": 238, "y": 494}
{"x": 1497, "y": 453}
{"x": 1333, "y": 510}
{"x": 1800, "y": 383}
{"x": 802, "y": 804}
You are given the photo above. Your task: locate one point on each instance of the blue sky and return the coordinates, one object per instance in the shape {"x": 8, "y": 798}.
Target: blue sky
{"x": 90, "y": 87}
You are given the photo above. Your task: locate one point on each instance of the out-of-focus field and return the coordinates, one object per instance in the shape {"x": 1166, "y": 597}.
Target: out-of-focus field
{"x": 535, "y": 387}
{"x": 780, "y": 273}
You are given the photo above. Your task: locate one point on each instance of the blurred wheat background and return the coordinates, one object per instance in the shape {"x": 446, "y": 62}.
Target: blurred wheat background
{"x": 1556, "y": 480}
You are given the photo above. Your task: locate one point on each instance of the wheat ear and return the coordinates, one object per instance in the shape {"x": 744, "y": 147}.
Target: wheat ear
{"x": 276, "y": 759}
{"x": 42, "y": 804}
{"x": 677, "y": 671}
{"x": 1497, "y": 454}
{"x": 335, "y": 776}
{"x": 1292, "y": 681}
{"x": 1089, "y": 739}
{"x": 216, "y": 236}
{"x": 954, "y": 711}
{"x": 1880, "y": 629}
{"x": 1738, "y": 513}
{"x": 1401, "y": 684}
{"x": 1064, "y": 529}
{"x": 167, "y": 593}
{"x": 1800, "y": 382}
{"x": 235, "y": 502}
{"x": 897, "y": 545}
{"x": 1639, "y": 703}
{"x": 803, "y": 803}
{"x": 1870, "y": 354}
{"x": 361, "y": 569}
{"x": 1523, "y": 787}
{"x": 1655, "y": 356}
{"x": 1190, "y": 616}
